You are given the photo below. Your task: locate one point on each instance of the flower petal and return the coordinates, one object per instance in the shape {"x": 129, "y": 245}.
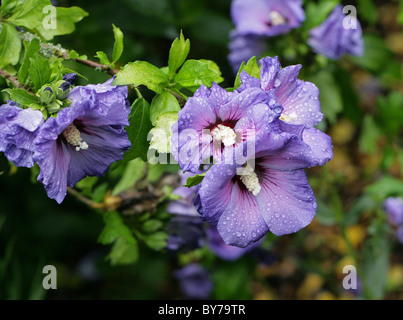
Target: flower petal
{"x": 286, "y": 200}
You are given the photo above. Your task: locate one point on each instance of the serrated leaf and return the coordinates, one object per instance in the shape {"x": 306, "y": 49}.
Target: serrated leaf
{"x": 118, "y": 45}
{"x": 10, "y": 45}
{"x": 138, "y": 130}
{"x": 142, "y": 73}
{"x": 164, "y": 102}
{"x": 22, "y": 97}
{"x": 178, "y": 53}
{"x": 161, "y": 134}
{"x": 194, "y": 73}
{"x": 39, "y": 72}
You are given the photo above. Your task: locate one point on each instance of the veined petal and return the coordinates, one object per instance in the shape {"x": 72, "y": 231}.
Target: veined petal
{"x": 286, "y": 201}
{"x": 241, "y": 223}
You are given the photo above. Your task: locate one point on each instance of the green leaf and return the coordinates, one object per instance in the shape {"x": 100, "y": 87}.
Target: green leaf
{"x": 316, "y": 13}
{"x": 152, "y": 225}
{"x": 123, "y": 253}
{"x": 115, "y": 229}
{"x": 368, "y": 10}
{"x": 330, "y": 96}
{"x": 156, "y": 241}
{"x": 161, "y": 134}
{"x": 22, "y": 97}
{"x": 31, "y": 49}
{"x": 39, "y": 71}
{"x": 194, "y": 73}
{"x": 65, "y": 22}
{"x": 103, "y": 58}
{"x": 10, "y": 45}
{"x": 178, "y": 53}
{"x": 370, "y": 134}
{"x": 390, "y": 113}
{"x": 7, "y": 6}
{"x": 252, "y": 68}
{"x": 385, "y": 187}
{"x": 133, "y": 172}
{"x": 138, "y": 130}
{"x": 194, "y": 181}
{"x": 118, "y": 45}
{"x": 164, "y": 102}
{"x": 375, "y": 54}
{"x": 142, "y": 73}
{"x": 30, "y": 14}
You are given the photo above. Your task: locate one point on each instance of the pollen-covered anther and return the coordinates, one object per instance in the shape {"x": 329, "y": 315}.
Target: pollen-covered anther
{"x": 250, "y": 179}
{"x": 73, "y": 136}
{"x": 224, "y": 134}
{"x": 276, "y": 18}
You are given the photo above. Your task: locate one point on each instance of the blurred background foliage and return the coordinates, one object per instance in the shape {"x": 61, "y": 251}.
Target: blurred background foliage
{"x": 362, "y": 99}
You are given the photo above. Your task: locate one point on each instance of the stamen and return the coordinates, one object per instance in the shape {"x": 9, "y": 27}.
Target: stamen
{"x": 224, "y": 134}
{"x": 249, "y": 178}
{"x": 288, "y": 118}
{"x": 73, "y": 136}
{"x": 276, "y": 18}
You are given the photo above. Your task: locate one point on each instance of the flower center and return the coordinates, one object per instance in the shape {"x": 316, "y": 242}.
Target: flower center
{"x": 249, "y": 178}
{"x": 276, "y": 18}
{"x": 224, "y": 134}
{"x": 73, "y": 136}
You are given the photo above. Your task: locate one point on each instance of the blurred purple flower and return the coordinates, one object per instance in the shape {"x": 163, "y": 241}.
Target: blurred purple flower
{"x": 266, "y": 17}
{"x": 337, "y": 35}
{"x": 194, "y": 281}
{"x": 394, "y": 210}
{"x": 84, "y": 139}
{"x": 18, "y": 129}
{"x": 215, "y": 122}
{"x": 242, "y": 48}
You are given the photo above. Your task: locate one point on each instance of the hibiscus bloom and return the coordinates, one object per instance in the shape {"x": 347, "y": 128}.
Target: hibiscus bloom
{"x": 245, "y": 201}
{"x": 266, "y": 17}
{"x": 215, "y": 122}
{"x": 18, "y": 129}
{"x": 84, "y": 139}
{"x": 335, "y": 37}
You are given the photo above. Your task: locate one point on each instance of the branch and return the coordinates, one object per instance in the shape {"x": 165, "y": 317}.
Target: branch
{"x": 14, "y": 81}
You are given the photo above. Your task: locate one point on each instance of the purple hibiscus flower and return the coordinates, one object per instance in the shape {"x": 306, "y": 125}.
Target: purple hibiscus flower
{"x": 18, "y": 129}
{"x": 216, "y": 123}
{"x": 337, "y": 35}
{"x": 194, "y": 281}
{"x": 299, "y": 100}
{"x": 246, "y": 201}
{"x": 266, "y": 17}
{"x": 84, "y": 139}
